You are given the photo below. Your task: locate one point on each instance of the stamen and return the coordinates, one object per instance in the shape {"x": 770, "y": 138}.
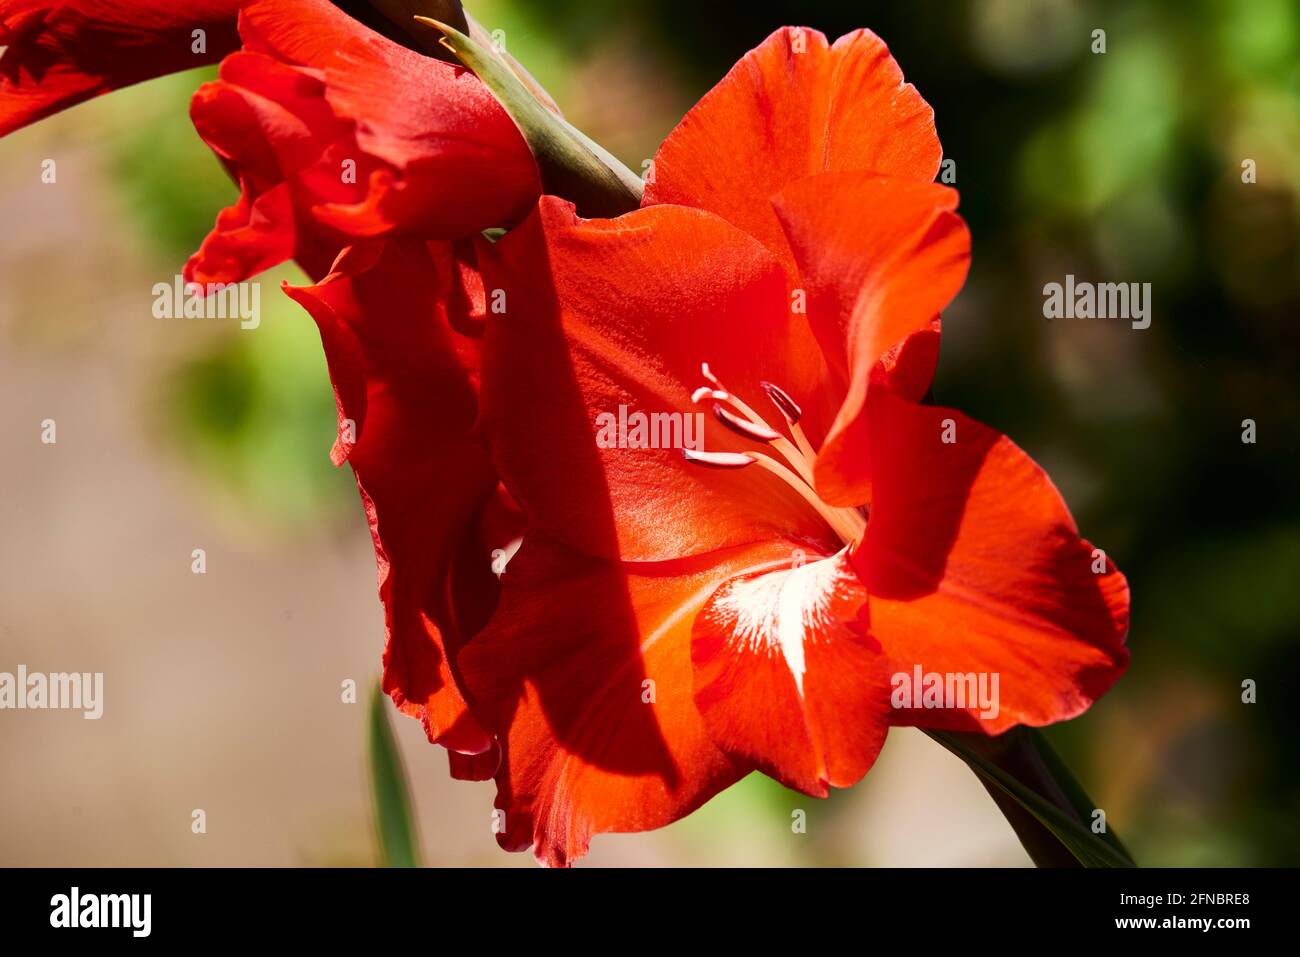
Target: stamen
{"x": 750, "y": 430}
{"x": 781, "y": 399}
{"x": 799, "y": 458}
{"x": 705, "y": 392}
{"x": 790, "y": 409}
{"x": 718, "y": 460}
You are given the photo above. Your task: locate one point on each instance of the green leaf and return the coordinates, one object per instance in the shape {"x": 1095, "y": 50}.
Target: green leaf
{"x": 572, "y": 165}
{"x": 398, "y": 845}
{"x": 1008, "y": 764}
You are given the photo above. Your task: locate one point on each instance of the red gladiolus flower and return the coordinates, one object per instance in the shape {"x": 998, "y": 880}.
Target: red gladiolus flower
{"x": 677, "y": 617}
{"x": 740, "y": 585}
{"x": 335, "y": 132}
{"x": 61, "y": 52}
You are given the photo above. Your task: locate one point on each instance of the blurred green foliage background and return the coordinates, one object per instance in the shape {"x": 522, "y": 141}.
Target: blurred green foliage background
{"x": 1123, "y": 166}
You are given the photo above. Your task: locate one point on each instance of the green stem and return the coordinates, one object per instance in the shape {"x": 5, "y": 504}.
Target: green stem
{"x": 1046, "y": 806}
{"x": 572, "y": 165}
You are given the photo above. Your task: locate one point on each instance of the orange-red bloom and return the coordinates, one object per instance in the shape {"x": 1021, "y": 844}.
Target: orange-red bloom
{"x": 335, "y": 132}
{"x": 677, "y": 618}
{"x": 332, "y": 131}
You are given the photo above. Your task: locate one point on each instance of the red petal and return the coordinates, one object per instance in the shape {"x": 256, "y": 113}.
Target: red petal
{"x": 61, "y": 52}
{"x": 786, "y": 677}
{"x": 269, "y": 122}
{"x": 474, "y": 767}
{"x": 782, "y": 115}
{"x": 604, "y": 314}
{"x": 565, "y": 670}
{"x": 406, "y": 381}
{"x": 456, "y": 162}
{"x": 907, "y": 369}
{"x": 975, "y": 565}
{"x": 879, "y": 258}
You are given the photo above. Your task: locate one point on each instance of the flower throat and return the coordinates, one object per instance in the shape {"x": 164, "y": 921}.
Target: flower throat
{"x": 797, "y": 452}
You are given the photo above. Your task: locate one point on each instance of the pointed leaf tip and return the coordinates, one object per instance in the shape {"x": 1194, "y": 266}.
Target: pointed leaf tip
{"x": 398, "y": 844}
{"x": 572, "y": 165}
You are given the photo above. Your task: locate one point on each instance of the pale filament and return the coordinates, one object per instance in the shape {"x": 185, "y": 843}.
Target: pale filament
{"x": 804, "y": 445}
{"x": 847, "y": 523}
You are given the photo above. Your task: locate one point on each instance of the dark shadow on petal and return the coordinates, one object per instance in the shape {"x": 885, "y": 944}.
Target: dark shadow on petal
{"x": 568, "y": 627}
{"x": 920, "y": 485}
